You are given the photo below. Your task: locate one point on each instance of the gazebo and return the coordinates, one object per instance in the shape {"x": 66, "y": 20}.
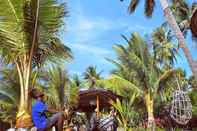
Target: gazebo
{"x": 89, "y": 99}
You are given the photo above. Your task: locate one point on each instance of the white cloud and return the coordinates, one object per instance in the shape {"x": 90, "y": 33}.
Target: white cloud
{"x": 90, "y": 50}
{"x": 138, "y": 28}
{"x": 85, "y": 28}
{"x": 85, "y": 24}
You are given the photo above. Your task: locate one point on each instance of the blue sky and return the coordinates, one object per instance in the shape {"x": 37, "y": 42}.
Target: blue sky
{"x": 94, "y": 26}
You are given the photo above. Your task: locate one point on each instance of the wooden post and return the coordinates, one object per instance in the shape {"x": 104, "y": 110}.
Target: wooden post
{"x": 97, "y": 105}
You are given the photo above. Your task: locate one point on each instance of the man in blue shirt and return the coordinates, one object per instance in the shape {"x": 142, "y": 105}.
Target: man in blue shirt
{"x": 39, "y": 117}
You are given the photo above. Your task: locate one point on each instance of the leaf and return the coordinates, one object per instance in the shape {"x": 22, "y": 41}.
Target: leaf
{"x": 116, "y": 83}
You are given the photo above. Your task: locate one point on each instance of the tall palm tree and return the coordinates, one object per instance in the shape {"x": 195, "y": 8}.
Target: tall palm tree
{"x": 183, "y": 13}
{"x": 144, "y": 74}
{"x": 172, "y": 22}
{"x": 28, "y": 38}
{"x": 91, "y": 75}
{"x": 149, "y": 7}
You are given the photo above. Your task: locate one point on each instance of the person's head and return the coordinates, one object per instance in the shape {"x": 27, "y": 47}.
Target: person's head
{"x": 36, "y": 94}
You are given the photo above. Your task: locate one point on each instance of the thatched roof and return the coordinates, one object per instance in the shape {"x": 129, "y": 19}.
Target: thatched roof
{"x": 87, "y": 99}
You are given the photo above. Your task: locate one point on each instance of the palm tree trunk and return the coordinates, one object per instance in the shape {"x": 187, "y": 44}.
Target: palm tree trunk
{"x": 149, "y": 106}
{"x": 172, "y": 22}
{"x": 23, "y": 115}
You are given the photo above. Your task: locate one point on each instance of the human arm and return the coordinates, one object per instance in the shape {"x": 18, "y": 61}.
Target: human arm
{"x": 52, "y": 110}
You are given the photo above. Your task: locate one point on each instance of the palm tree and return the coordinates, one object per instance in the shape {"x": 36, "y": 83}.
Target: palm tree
{"x": 172, "y": 22}
{"x": 28, "y": 38}
{"x": 183, "y": 13}
{"x": 142, "y": 71}
{"x": 91, "y": 75}
{"x": 149, "y": 7}
{"x": 76, "y": 80}
{"x": 164, "y": 49}
{"x": 61, "y": 92}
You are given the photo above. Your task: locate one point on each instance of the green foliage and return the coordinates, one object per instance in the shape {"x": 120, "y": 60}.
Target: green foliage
{"x": 193, "y": 97}
{"x": 60, "y": 90}
{"x": 164, "y": 49}
{"x": 137, "y": 65}
{"x": 126, "y": 112}
{"x": 192, "y": 82}
{"x": 91, "y": 76}
{"x": 182, "y": 10}
{"x": 9, "y": 94}
{"x": 31, "y": 25}
{"x": 138, "y": 72}
{"x": 114, "y": 82}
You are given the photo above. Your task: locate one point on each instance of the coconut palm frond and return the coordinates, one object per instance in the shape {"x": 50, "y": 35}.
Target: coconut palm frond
{"x": 181, "y": 10}
{"x": 72, "y": 94}
{"x": 9, "y": 94}
{"x": 164, "y": 50}
{"x": 149, "y": 7}
{"x": 132, "y": 6}
{"x": 52, "y": 51}
{"x": 135, "y": 56}
{"x": 140, "y": 47}
{"x": 60, "y": 90}
{"x": 21, "y": 24}
{"x": 56, "y": 86}
{"x": 10, "y": 28}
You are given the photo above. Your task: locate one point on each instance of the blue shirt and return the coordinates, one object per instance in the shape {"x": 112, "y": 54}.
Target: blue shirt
{"x": 38, "y": 114}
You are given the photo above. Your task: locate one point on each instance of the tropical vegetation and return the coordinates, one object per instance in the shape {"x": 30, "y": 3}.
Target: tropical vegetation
{"x": 144, "y": 77}
{"x": 180, "y": 9}
{"x": 143, "y": 70}
{"x": 29, "y": 38}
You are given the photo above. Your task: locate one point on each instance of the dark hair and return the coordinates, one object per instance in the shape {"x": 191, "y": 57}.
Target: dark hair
{"x": 34, "y": 93}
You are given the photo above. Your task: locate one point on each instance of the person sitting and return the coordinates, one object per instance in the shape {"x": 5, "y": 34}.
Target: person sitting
{"x": 93, "y": 121}
{"x": 39, "y": 109}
